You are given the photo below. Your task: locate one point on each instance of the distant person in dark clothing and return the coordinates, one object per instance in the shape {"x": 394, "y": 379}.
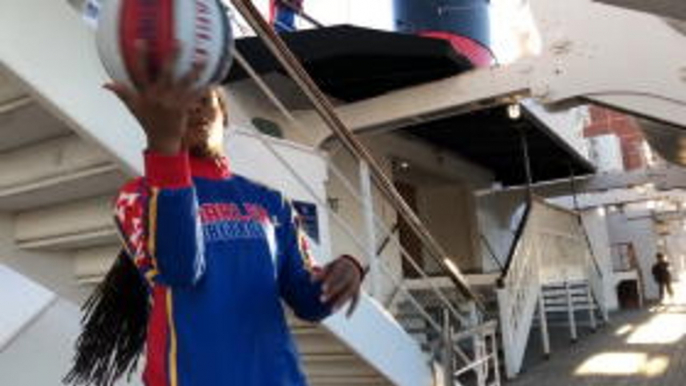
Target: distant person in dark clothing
{"x": 282, "y": 14}
{"x": 662, "y": 276}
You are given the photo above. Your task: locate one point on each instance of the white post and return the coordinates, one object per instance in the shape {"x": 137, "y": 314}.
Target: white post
{"x": 480, "y": 351}
{"x": 591, "y": 310}
{"x": 639, "y": 289}
{"x": 545, "y": 335}
{"x": 369, "y": 229}
{"x": 506, "y": 332}
{"x": 448, "y": 366}
{"x": 496, "y": 354}
{"x": 570, "y": 312}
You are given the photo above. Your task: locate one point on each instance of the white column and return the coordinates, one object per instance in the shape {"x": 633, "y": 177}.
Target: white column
{"x": 369, "y": 230}
{"x": 591, "y": 305}
{"x": 506, "y": 328}
{"x": 545, "y": 336}
{"x": 570, "y": 312}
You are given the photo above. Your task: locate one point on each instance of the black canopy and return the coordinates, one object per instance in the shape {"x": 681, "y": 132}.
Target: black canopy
{"x": 491, "y": 139}
{"x": 353, "y": 63}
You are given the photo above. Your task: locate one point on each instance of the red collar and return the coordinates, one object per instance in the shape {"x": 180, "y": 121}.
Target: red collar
{"x": 210, "y": 168}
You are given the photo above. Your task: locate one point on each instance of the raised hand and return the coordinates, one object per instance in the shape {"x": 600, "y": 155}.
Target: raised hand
{"x": 160, "y": 101}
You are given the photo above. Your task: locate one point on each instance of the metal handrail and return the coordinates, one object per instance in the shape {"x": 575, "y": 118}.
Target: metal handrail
{"x": 476, "y": 364}
{"x": 491, "y": 253}
{"x": 347, "y": 138}
{"x": 515, "y": 242}
{"x": 404, "y": 254}
{"x": 387, "y": 239}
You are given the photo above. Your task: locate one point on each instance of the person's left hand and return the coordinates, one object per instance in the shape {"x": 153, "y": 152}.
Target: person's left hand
{"x": 341, "y": 280}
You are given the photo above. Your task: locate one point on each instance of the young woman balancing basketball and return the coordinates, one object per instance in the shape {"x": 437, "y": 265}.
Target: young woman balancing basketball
{"x": 214, "y": 252}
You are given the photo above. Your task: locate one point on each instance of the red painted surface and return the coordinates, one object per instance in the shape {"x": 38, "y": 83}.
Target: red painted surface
{"x": 477, "y": 54}
{"x": 605, "y": 121}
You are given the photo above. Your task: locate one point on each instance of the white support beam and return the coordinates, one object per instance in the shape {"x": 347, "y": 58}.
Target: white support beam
{"x": 668, "y": 8}
{"x": 618, "y": 196}
{"x": 429, "y": 101}
{"x": 664, "y": 178}
{"x": 631, "y": 61}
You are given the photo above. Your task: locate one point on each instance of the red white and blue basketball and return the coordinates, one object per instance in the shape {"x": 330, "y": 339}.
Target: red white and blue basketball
{"x": 201, "y": 28}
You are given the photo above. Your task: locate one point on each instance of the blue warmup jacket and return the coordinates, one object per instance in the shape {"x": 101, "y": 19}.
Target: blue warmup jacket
{"x": 219, "y": 253}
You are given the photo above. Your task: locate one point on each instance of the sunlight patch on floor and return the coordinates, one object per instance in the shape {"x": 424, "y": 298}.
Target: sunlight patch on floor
{"x": 629, "y": 363}
{"x": 663, "y": 328}
{"x": 625, "y": 329}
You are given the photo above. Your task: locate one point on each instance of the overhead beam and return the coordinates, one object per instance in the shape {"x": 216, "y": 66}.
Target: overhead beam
{"x": 451, "y": 96}
{"x": 668, "y": 8}
{"x": 665, "y": 178}
{"x": 638, "y": 68}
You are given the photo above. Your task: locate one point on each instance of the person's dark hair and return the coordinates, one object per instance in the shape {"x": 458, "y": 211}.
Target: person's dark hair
{"x": 114, "y": 326}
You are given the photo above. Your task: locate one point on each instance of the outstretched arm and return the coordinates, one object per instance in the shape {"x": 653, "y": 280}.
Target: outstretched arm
{"x": 313, "y": 292}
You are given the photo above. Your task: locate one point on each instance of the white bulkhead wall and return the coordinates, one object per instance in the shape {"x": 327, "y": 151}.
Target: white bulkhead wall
{"x": 640, "y": 232}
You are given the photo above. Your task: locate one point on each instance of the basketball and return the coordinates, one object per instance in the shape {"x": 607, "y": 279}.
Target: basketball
{"x": 201, "y": 28}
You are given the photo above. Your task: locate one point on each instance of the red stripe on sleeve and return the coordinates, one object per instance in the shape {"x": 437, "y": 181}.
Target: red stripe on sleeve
{"x": 156, "y": 369}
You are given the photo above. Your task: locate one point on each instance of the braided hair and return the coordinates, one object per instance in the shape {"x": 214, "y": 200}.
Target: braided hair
{"x": 114, "y": 327}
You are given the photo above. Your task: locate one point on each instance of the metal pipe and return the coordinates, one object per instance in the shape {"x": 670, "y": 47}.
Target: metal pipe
{"x": 527, "y": 163}
{"x": 387, "y": 239}
{"x": 347, "y": 138}
{"x": 573, "y": 186}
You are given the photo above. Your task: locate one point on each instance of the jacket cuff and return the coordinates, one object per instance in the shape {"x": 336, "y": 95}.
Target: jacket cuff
{"x": 358, "y": 265}
{"x": 168, "y": 171}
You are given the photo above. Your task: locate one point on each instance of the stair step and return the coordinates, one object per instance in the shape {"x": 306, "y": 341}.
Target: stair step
{"x": 562, "y": 292}
{"x": 347, "y": 381}
{"x": 581, "y": 307}
{"x": 336, "y": 366}
{"x": 574, "y": 284}
{"x": 557, "y": 301}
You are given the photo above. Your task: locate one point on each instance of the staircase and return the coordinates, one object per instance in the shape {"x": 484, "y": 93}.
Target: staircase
{"x": 568, "y": 304}
{"x": 55, "y": 185}
{"x": 563, "y": 302}
{"x": 551, "y": 278}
